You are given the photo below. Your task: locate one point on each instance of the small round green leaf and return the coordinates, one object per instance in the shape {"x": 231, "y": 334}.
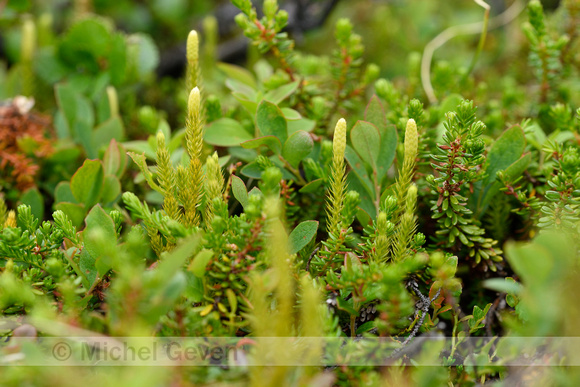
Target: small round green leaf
{"x": 240, "y": 191}
{"x": 111, "y": 189}
{"x": 199, "y": 262}
{"x": 297, "y": 147}
{"x": 301, "y": 124}
{"x": 312, "y": 186}
{"x": 291, "y": 114}
{"x": 271, "y": 121}
{"x": 226, "y": 132}
{"x": 87, "y": 183}
{"x": 302, "y": 235}
{"x": 281, "y": 93}
{"x": 34, "y": 199}
{"x": 271, "y": 142}
{"x": 238, "y": 73}
{"x": 75, "y": 212}
{"x": 366, "y": 141}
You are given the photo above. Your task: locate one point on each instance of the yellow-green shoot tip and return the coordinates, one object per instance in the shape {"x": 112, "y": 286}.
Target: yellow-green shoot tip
{"x": 411, "y": 140}
{"x": 339, "y": 141}
{"x": 192, "y": 46}
{"x": 194, "y": 101}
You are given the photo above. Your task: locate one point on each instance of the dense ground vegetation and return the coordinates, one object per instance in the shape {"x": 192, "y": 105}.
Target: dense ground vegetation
{"x": 349, "y": 189}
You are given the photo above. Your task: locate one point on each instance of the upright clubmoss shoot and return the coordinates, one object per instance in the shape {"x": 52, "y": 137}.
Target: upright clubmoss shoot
{"x": 407, "y": 225}
{"x": 192, "y": 71}
{"x": 337, "y": 190}
{"x": 382, "y": 241}
{"x": 407, "y": 171}
{"x": 351, "y": 202}
{"x": 339, "y": 210}
{"x": 193, "y": 181}
{"x": 214, "y": 185}
{"x": 166, "y": 179}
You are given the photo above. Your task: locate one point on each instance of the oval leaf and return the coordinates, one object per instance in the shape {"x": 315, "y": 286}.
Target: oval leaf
{"x": 366, "y": 141}
{"x": 112, "y": 159}
{"x": 375, "y": 113}
{"x": 271, "y": 142}
{"x": 297, "y": 147}
{"x": 75, "y": 212}
{"x": 388, "y": 149}
{"x": 244, "y": 90}
{"x": 111, "y": 189}
{"x": 99, "y": 238}
{"x": 503, "y": 285}
{"x": 226, "y": 132}
{"x": 271, "y": 121}
{"x": 505, "y": 151}
{"x": 87, "y": 183}
{"x": 99, "y": 220}
{"x": 240, "y": 191}
{"x": 238, "y": 73}
{"x": 302, "y": 235}
{"x": 312, "y": 187}
{"x": 281, "y": 93}
{"x": 352, "y": 263}
{"x": 252, "y": 170}
{"x": 87, "y": 267}
{"x": 359, "y": 169}
{"x": 290, "y": 114}
{"x": 513, "y": 171}
{"x": 198, "y": 264}
{"x": 302, "y": 124}
{"x": 172, "y": 262}
{"x": 34, "y": 199}
{"x": 107, "y": 131}
{"x": 366, "y": 201}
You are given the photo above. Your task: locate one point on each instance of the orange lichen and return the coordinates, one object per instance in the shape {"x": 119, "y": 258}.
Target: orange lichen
{"x": 24, "y": 139}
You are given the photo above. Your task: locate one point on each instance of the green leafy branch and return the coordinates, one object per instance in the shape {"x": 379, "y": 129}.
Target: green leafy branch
{"x": 456, "y": 166}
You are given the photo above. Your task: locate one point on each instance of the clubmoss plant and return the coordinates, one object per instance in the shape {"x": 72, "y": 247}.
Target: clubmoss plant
{"x": 384, "y": 229}
{"x": 279, "y": 287}
{"x": 166, "y": 179}
{"x": 406, "y": 226}
{"x": 340, "y": 207}
{"x": 214, "y": 185}
{"x": 192, "y": 176}
{"x": 407, "y": 171}
{"x": 337, "y": 181}
{"x": 183, "y": 187}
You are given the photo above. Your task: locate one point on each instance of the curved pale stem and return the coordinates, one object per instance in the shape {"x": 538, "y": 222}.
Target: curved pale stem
{"x": 464, "y": 29}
